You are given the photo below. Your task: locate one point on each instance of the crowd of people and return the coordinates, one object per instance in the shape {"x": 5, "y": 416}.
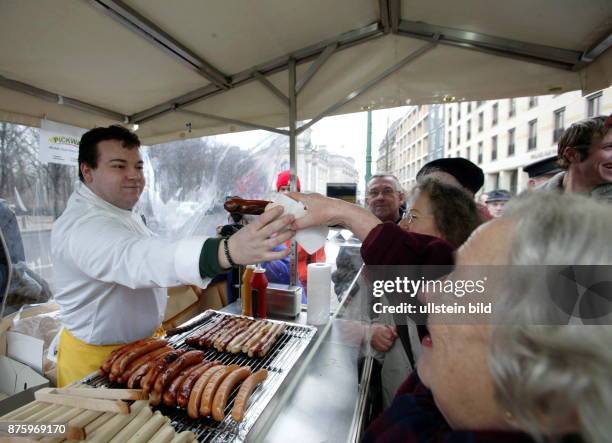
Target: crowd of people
{"x": 522, "y": 378}
{"x": 516, "y": 380}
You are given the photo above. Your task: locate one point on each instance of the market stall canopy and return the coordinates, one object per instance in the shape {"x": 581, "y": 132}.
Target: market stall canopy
{"x": 192, "y": 68}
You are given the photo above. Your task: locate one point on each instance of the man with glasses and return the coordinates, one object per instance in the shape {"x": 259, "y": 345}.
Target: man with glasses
{"x": 385, "y": 198}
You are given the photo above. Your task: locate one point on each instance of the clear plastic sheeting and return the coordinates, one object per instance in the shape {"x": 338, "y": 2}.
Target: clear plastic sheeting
{"x": 188, "y": 181}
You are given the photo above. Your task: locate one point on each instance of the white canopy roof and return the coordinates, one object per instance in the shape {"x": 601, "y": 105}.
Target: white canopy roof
{"x": 97, "y": 62}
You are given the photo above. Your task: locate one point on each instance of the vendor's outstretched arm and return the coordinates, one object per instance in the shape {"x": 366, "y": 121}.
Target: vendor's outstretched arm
{"x": 327, "y": 211}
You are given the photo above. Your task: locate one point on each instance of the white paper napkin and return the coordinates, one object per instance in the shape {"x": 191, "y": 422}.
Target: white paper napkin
{"x": 311, "y": 239}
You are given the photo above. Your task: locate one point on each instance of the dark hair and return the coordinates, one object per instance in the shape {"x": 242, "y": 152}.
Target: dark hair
{"x": 88, "y": 146}
{"x": 454, "y": 211}
{"x": 580, "y": 136}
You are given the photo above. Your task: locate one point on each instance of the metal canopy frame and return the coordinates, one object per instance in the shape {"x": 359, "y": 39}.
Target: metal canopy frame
{"x": 389, "y": 22}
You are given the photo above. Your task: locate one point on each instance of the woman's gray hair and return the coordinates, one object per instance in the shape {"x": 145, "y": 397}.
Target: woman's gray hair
{"x": 550, "y": 375}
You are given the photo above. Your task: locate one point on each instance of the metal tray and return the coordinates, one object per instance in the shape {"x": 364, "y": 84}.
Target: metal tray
{"x": 279, "y": 361}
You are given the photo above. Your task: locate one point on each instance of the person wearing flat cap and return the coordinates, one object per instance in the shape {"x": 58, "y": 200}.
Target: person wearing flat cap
{"x": 541, "y": 171}
{"x": 496, "y": 202}
{"x": 459, "y": 172}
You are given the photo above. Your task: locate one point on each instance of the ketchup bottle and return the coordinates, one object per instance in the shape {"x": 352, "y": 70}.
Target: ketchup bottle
{"x": 259, "y": 286}
{"x": 245, "y": 293}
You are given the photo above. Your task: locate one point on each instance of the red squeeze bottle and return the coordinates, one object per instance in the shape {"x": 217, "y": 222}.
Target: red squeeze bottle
{"x": 259, "y": 282}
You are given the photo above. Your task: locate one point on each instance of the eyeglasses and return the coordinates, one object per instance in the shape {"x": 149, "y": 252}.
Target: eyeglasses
{"x": 387, "y": 192}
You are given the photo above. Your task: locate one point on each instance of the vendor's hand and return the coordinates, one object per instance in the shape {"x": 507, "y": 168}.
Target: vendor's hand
{"x": 320, "y": 210}
{"x": 383, "y": 337}
{"x": 254, "y": 243}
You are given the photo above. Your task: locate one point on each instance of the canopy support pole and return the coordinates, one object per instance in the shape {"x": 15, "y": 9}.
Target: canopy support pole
{"x": 293, "y": 274}
{"x": 233, "y": 121}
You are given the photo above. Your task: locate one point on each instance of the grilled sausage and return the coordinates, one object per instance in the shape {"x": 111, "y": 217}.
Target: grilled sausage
{"x": 121, "y": 363}
{"x": 245, "y": 391}
{"x": 266, "y": 344}
{"x": 193, "y": 340}
{"x": 135, "y": 379}
{"x": 106, "y": 366}
{"x": 211, "y": 389}
{"x": 193, "y": 406}
{"x": 169, "y": 396}
{"x": 227, "y": 336}
{"x": 184, "y": 393}
{"x": 139, "y": 362}
{"x": 225, "y": 389}
{"x": 149, "y": 380}
{"x": 257, "y": 336}
{"x": 168, "y": 374}
{"x": 242, "y": 206}
{"x": 235, "y": 345}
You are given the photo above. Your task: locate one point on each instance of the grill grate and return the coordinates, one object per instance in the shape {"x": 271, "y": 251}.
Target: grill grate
{"x": 279, "y": 361}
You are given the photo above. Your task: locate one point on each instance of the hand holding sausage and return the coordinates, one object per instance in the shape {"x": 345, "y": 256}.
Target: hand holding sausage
{"x": 254, "y": 243}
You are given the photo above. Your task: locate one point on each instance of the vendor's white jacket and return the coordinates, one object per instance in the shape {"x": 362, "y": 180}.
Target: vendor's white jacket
{"x": 109, "y": 269}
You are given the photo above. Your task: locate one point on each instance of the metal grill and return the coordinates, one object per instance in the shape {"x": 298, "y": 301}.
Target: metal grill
{"x": 279, "y": 361}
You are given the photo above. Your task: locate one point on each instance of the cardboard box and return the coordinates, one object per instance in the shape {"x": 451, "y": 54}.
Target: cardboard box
{"x": 18, "y": 382}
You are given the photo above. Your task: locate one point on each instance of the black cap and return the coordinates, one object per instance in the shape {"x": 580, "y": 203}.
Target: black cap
{"x": 542, "y": 167}
{"x": 467, "y": 173}
{"x": 498, "y": 195}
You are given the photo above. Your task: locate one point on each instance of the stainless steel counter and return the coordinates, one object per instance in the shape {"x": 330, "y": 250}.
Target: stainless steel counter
{"x": 321, "y": 399}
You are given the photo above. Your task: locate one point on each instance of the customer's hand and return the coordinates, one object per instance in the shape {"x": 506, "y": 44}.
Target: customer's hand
{"x": 383, "y": 337}
{"x": 254, "y": 243}
{"x": 320, "y": 210}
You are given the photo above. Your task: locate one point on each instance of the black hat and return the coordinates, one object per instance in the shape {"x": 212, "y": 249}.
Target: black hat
{"x": 498, "y": 195}
{"x": 542, "y": 167}
{"x": 467, "y": 173}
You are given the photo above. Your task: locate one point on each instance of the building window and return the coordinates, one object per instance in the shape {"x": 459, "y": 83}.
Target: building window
{"x": 450, "y": 118}
{"x": 458, "y": 134}
{"x": 469, "y": 107}
{"x": 495, "y": 114}
{"x": 468, "y": 153}
{"x": 457, "y": 154}
{"x": 494, "y": 148}
{"x": 559, "y": 118}
{"x": 533, "y": 135}
{"x": 510, "y": 142}
{"x": 513, "y": 181}
{"x": 479, "y": 103}
{"x": 480, "y": 122}
{"x": 533, "y": 102}
{"x": 511, "y": 107}
{"x": 479, "y": 152}
{"x": 594, "y": 104}
{"x": 449, "y": 140}
{"x": 469, "y": 130}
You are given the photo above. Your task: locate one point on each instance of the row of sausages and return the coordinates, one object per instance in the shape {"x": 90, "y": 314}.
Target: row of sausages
{"x": 239, "y": 334}
{"x": 182, "y": 378}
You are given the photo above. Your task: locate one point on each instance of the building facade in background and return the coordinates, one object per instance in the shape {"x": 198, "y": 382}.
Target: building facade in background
{"x": 501, "y": 136}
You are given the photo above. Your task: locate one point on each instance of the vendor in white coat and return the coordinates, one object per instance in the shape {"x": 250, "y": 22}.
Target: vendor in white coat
{"x": 110, "y": 268}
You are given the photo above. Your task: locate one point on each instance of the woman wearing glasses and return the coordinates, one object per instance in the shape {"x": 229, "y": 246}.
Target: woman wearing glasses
{"x": 440, "y": 218}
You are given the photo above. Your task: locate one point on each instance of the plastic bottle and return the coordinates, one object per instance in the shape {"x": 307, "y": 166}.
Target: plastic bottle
{"x": 259, "y": 286}
{"x": 245, "y": 291}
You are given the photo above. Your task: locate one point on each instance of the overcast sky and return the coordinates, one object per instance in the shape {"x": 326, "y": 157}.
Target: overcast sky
{"x": 342, "y": 134}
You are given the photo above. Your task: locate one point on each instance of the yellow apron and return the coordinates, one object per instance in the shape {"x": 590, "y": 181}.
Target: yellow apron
{"x": 77, "y": 359}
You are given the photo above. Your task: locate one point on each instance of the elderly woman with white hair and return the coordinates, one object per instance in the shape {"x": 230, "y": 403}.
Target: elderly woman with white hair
{"x": 528, "y": 375}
